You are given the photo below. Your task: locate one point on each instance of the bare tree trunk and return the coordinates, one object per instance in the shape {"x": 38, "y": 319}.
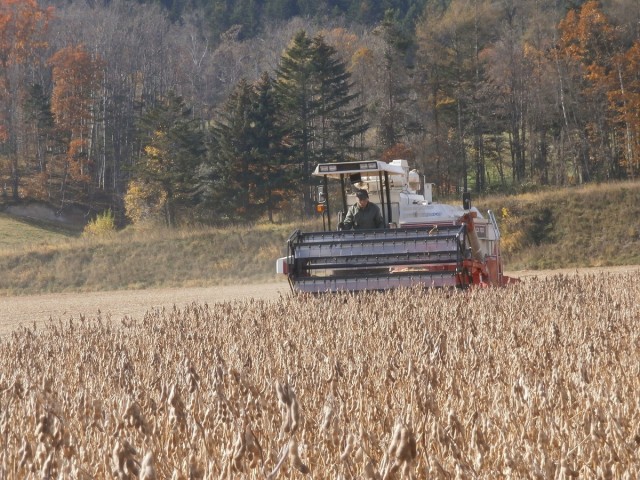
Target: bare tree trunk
{"x": 462, "y": 151}
{"x": 628, "y": 144}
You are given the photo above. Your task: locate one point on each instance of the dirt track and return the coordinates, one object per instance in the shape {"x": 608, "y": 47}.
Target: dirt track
{"x": 25, "y": 310}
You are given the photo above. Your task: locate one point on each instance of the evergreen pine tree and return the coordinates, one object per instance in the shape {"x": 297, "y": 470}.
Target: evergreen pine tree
{"x": 228, "y": 171}
{"x": 295, "y": 88}
{"x": 313, "y": 92}
{"x": 245, "y": 175}
{"x": 173, "y": 147}
{"x": 269, "y": 151}
{"x": 338, "y": 121}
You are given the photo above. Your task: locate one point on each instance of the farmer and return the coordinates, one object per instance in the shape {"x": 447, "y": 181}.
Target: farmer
{"x": 363, "y": 214}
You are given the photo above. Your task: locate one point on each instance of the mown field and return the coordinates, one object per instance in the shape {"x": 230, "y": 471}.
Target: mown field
{"x": 538, "y": 380}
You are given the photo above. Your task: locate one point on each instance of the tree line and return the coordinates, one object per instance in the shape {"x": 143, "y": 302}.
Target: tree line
{"x": 251, "y": 16}
{"x": 149, "y": 110}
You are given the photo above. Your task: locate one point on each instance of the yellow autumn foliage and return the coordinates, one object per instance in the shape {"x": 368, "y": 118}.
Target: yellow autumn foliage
{"x": 103, "y": 225}
{"x": 144, "y": 201}
{"x": 512, "y": 236}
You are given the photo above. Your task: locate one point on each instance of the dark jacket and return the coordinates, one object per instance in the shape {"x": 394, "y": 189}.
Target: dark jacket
{"x": 363, "y": 218}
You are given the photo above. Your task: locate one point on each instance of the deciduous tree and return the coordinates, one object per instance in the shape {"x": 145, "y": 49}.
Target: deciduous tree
{"x": 76, "y": 77}
{"x": 395, "y": 120}
{"x": 23, "y": 27}
{"x": 624, "y": 98}
{"x": 587, "y": 46}
{"x": 40, "y": 134}
{"x": 446, "y": 58}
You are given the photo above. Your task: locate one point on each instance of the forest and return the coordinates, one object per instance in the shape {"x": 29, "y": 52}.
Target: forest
{"x": 216, "y": 111}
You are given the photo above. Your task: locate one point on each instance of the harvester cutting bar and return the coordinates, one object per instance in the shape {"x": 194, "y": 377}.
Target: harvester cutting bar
{"x": 377, "y": 259}
{"x": 376, "y": 282}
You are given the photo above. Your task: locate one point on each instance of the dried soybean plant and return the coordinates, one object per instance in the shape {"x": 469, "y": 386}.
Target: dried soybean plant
{"x": 538, "y": 380}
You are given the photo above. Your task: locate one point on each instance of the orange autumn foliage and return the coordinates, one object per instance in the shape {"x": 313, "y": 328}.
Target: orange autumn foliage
{"x": 77, "y": 77}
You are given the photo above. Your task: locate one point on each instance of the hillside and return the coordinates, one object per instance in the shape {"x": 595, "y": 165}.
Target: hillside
{"x": 592, "y": 226}
{"x": 581, "y": 227}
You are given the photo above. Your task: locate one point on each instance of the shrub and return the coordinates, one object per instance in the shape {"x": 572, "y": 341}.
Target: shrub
{"x": 104, "y": 224}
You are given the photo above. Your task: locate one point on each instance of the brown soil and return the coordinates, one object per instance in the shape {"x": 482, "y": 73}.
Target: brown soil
{"x": 38, "y": 309}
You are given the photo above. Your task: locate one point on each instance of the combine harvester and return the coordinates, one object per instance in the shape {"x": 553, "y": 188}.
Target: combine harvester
{"x": 425, "y": 243}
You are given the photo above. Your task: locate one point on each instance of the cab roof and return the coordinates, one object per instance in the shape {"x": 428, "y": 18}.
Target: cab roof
{"x": 335, "y": 170}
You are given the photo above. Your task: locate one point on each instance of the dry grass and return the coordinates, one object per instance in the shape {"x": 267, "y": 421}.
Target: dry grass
{"x": 539, "y": 380}
{"x": 577, "y": 227}
{"x": 199, "y": 256}
{"x": 15, "y": 233}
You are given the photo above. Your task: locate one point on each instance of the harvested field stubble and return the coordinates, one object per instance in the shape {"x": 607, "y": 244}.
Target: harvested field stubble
{"x": 538, "y": 380}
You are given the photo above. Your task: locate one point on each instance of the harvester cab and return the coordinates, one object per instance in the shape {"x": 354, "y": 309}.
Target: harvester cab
{"x": 424, "y": 243}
